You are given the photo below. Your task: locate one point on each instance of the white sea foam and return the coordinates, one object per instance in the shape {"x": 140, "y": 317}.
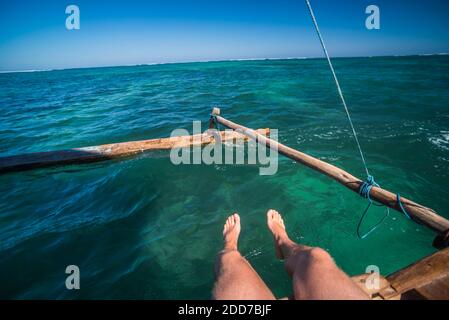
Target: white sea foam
{"x": 257, "y": 59}
{"x": 441, "y": 141}
{"x": 155, "y": 64}
{"x": 218, "y": 60}
{"x": 433, "y": 54}
{"x": 26, "y": 71}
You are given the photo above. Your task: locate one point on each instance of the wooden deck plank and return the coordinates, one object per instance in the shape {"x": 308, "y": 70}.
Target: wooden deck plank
{"x": 426, "y": 279}
{"x": 360, "y": 281}
{"x": 421, "y": 273}
{"x": 435, "y": 290}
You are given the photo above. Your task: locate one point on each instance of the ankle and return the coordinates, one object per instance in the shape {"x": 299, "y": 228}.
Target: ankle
{"x": 230, "y": 246}
{"x": 282, "y": 239}
{"x": 288, "y": 247}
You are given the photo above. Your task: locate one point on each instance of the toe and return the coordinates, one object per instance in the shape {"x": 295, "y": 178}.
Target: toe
{"x": 236, "y": 218}
{"x": 278, "y": 217}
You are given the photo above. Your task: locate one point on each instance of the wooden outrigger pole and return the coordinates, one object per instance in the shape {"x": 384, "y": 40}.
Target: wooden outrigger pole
{"x": 110, "y": 151}
{"x": 417, "y": 212}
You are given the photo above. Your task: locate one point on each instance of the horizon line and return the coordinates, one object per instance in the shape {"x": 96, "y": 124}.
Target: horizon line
{"x": 217, "y": 60}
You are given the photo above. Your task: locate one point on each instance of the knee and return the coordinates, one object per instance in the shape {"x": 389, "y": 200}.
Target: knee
{"x": 311, "y": 256}
{"x": 314, "y": 257}
{"x": 319, "y": 255}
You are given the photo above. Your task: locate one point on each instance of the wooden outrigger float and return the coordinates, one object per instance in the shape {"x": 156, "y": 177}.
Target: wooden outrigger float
{"x": 109, "y": 151}
{"x": 425, "y": 279}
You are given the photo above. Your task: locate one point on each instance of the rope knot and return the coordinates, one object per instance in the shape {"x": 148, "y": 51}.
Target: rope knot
{"x": 213, "y": 123}
{"x": 366, "y": 186}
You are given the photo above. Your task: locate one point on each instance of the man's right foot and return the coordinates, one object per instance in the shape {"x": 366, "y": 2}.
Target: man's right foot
{"x": 281, "y": 239}
{"x": 231, "y": 232}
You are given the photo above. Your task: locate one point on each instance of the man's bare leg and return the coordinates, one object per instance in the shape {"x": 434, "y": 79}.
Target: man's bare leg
{"x": 235, "y": 278}
{"x": 314, "y": 273}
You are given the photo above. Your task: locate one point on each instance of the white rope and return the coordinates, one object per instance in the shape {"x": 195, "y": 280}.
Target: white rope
{"x": 338, "y": 85}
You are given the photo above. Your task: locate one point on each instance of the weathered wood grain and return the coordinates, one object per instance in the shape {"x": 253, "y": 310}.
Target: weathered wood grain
{"x": 110, "y": 151}
{"x": 421, "y": 273}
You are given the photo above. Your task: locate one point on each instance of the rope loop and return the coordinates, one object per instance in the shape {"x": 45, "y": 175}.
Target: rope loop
{"x": 398, "y": 199}
{"x": 364, "y": 191}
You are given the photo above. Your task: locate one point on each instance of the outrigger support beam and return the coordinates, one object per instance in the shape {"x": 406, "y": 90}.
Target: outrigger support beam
{"x": 110, "y": 151}
{"x": 417, "y": 212}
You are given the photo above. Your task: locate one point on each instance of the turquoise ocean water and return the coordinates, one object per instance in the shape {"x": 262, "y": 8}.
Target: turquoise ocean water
{"x": 144, "y": 228}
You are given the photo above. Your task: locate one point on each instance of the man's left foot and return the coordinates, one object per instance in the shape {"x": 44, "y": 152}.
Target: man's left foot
{"x": 231, "y": 232}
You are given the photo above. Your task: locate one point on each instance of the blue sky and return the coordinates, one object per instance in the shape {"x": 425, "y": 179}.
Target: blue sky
{"x": 33, "y": 33}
